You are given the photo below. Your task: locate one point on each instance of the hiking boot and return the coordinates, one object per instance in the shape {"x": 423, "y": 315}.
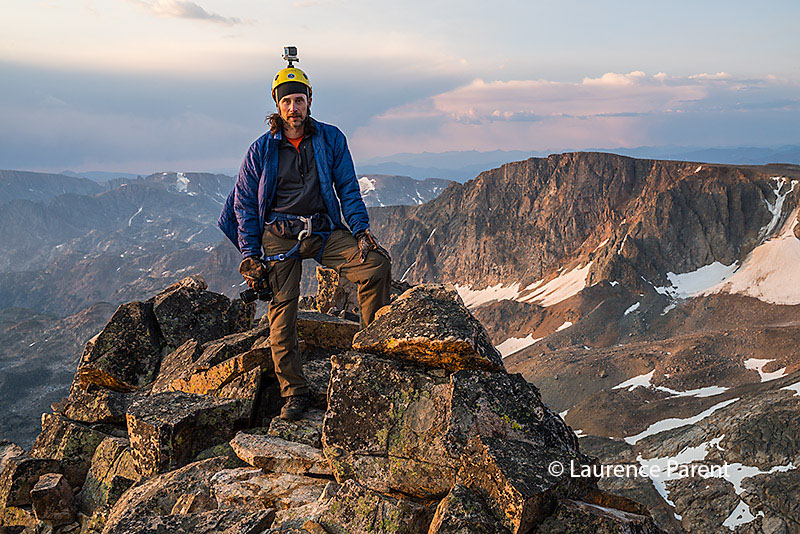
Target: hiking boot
{"x": 295, "y": 407}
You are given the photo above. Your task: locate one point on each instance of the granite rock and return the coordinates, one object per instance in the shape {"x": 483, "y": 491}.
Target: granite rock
{"x": 52, "y": 500}
{"x": 279, "y": 455}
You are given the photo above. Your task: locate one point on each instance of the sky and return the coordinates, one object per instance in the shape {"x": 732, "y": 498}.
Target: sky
{"x": 156, "y": 85}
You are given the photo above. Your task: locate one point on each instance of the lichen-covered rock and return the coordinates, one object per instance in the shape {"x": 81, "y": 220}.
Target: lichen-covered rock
{"x": 318, "y": 376}
{"x": 463, "y": 511}
{"x": 14, "y": 520}
{"x": 186, "y": 310}
{"x": 111, "y": 473}
{"x": 280, "y": 456}
{"x": 8, "y": 450}
{"x": 515, "y": 480}
{"x": 241, "y": 316}
{"x": 95, "y": 404}
{"x": 157, "y": 496}
{"x": 193, "y": 355}
{"x": 211, "y": 522}
{"x": 358, "y": 510}
{"x": 247, "y": 488}
{"x": 52, "y": 500}
{"x": 429, "y": 324}
{"x": 576, "y": 517}
{"x": 125, "y": 355}
{"x": 399, "y": 427}
{"x": 168, "y": 430}
{"x": 236, "y": 377}
{"x": 320, "y": 330}
{"x": 334, "y": 291}
{"x": 307, "y": 430}
{"x": 19, "y": 476}
{"x": 73, "y": 444}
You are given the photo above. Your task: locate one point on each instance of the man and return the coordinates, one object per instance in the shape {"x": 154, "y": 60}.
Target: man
{"x": 293, "y": 187}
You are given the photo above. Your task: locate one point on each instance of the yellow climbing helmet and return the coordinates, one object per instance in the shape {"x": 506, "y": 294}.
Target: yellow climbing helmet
{"x": 290, "y": 73}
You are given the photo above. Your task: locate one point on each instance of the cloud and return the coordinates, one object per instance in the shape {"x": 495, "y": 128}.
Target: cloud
{"x": 613, "y": 110}
{"x": 182, "y": 9}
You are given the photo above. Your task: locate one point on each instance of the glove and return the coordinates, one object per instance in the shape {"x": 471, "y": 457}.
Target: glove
{"x": 367, "y": 242}
{"x": 254, "y": 272}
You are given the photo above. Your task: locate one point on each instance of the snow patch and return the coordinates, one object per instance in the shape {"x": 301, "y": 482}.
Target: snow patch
{"x": 402, "y": 278}
{"x": 564, "y": 326}
{"x": 135, "y": 214}
{"x": 793, "y": 387}
{"x": 636, "y": 381}
{"x": 182, "y": 183}
{"x": 516, "y": 344}
{"x": 473, "y": 298}
{"x": 689, "y": 284}
{"x": 675, "y": 422}
{"x": 366, "y": 185}
{"x": 740, "y": 515}
{"x": 646, "y": 381}
{"x": 632, "y": 308}
{"x": 756, "y": 364}
{"x": 557, "y": 289}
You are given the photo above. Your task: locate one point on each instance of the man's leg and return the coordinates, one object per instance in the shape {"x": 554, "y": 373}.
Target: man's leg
{"x": 284, "y": 279}
{"x": 373, "y": 276}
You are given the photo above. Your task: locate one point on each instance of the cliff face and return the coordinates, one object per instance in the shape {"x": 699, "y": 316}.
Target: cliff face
{"x": 632, "y": 217}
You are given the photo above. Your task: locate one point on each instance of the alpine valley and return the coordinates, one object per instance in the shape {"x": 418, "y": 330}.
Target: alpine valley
{"x": 654, "y": 304}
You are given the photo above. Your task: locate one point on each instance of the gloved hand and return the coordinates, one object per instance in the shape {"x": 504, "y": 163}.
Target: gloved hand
{"x": 254, "y": 272}
{"x": 367, "y": 242}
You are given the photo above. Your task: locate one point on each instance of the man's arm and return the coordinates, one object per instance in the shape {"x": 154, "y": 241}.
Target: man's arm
{"x": 245, "y": 203}
{"x": 346, "y": 183}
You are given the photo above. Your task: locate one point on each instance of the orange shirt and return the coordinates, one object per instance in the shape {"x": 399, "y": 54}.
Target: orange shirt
{"x": 296, "y": 142}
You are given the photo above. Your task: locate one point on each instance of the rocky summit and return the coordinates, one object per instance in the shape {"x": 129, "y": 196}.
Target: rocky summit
{"x": 171, "y": 427}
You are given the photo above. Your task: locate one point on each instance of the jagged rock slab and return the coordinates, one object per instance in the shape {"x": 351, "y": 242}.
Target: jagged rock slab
{"x": 8, "y": 450}
{"x": 252, "y": 489}
{"x": 158, "y": 495}
{"x": 186, "y": 310}
{"x": 211, "y": 522}
{"x": 320, "y": 330}
{"x": 777, "y": 495}
{"x": 193, "y": 355}
{"x": 112, "y": 472}
{"x": 334, "y": 291}
{"x": 429, "y": 324}
{"x": 318, "y": 376}
{"x": 241, "y": 316}
{"x": 236, "y": 377}
{"x": 126, "y": 354}
{"x": 400, "y": 427}
{"x": 73, "y": 444}
{"x": 576, "y": 517}
{"x": 169, "y": 429}
{"x": 463, "y": 511}
{"x": 17, "y": 520}
{"x": 298, "y": 516}
{"x": 515, "y": 480}
{"x": 307, "y": 430}
{"x": 52, "y": 500}
{"x": 280, "y": 456}
{"x": 20, "y": 475}
{"x": 95, "y": 405}
{"x": 357, "y": 510}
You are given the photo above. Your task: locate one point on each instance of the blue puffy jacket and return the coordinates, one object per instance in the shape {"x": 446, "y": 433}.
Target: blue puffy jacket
{"x": 245, "y": 211}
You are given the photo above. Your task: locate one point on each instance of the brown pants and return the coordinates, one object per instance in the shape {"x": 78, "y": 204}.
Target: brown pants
{"x": 341, "y": 253}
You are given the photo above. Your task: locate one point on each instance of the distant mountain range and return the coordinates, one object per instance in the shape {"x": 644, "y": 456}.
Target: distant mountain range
{"x": 461, "y": 166}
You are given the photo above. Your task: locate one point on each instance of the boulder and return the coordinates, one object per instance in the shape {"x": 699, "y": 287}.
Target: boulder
{"x": 8, "y": 450}
{"x": 52, "y": 500}
{"x": 320, "y": 330}
{"x": 193, "y": 355}
{"x": 236, "y": 377}
{"x": 125, "y": 355}
{"x": 429, "y": 324}
{"x": 186, "y": 310}
{"x": 168, "y": 430}
{"x": 280, "y": 456}
{"x": 252, "y": 489}
{"x": 73, "y": 444}
{"x": 211, "y": 522}
{"x": 95, "y": 404}
{"x": 515, "y": 480}
{"x": 318, "y": 376}
{"x": 576, "y": 517}
{"x": 112, "y": 472}
{"x": 158, "y": 495}
{"x": 399, "y": 427}
{"x": 307, "y": 430}
{"x": 463, "y": 511}
{"x": 358, "y": 510}
{"x": 241, "y": 316}
{"x": 334, "y": 291}
{"x": 20, "y": 475}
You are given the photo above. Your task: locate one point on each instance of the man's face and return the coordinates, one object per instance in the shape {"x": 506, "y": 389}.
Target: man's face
{"x": 294, "y": 109}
